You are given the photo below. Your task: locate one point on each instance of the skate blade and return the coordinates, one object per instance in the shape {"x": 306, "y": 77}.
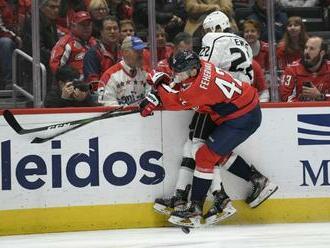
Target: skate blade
{"x": 227, "y": 212}
{"x": 161, "y": 209}
{"x": 181, "y": 222}
{"x": 264, "y": 195}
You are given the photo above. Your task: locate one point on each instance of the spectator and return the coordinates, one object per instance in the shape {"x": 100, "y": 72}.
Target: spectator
{"x": 127, "y": 28}
{"x": 164, "y": 49}
{"x": 309, "y": 78}
{"x": 122, "y": 9}
{"x": 71, "y": 48}
{"x": 259, "y": 14}
{"x": 105, "y": 53}
{"x": 197, "y": 10}
{"x": 292, "y": 45}
{"x": 24, "y": 12}
{"x": 126, "y": 81}
{"x": 67, "y": 10}
{"x": 49, "y": 10}
{"x": 251, "y": 32}
{"x": 169, "y": 13}
{"x": 98, "y": 10}
{"x": 69, "y": 92}
{"x": 299, "y": 3}
{"x": 259, "y": 82}
{"x": 8, "y": 42}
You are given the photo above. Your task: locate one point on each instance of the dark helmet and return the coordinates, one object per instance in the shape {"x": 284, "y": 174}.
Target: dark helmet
{"x": 184, "y": 61}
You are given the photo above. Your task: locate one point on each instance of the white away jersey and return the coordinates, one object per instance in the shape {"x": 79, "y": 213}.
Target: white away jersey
{"x": 229, "y": 52}
{"x": 118, "y": 86}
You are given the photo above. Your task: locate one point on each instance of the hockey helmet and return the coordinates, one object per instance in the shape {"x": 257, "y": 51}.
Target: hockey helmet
{"x": 184, "y": 61}
{"x": 216, "y": 19}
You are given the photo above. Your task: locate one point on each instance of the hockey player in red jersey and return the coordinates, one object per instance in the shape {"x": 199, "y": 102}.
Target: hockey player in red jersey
{"x": 234, "y": 108}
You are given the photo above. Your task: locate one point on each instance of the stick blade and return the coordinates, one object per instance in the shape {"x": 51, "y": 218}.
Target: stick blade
{"x": 12, "y": 122}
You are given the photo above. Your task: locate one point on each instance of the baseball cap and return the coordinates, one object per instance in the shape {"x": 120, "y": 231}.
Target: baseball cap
{"x": 81, "y": 16}
{"x": 133, "y": 42}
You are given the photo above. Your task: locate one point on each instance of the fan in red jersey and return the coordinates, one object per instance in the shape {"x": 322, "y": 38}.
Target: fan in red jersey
{"x": 234, "y": 108}
{"x": 309, "y": 78}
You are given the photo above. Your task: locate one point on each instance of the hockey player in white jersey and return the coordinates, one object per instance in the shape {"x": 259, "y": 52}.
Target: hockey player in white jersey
{"x": 226, "y": 50}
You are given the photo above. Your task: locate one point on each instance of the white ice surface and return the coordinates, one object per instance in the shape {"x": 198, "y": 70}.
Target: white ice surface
{"x": 316, "y": 235}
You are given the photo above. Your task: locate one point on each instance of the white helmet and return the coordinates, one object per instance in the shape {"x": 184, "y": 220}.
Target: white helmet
{"x": 216, "y": 19}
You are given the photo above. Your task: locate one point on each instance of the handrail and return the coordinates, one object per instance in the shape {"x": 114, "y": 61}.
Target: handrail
{"x": 16, "y": 87}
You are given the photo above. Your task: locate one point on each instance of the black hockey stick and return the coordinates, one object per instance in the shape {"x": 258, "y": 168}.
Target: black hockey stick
{"x": 84, "y": 122}
{"x": 13, "y": 123}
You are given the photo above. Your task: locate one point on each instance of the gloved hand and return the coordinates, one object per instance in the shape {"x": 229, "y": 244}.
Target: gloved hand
{"x": 148, "y": 104}
{"x": 159, "y": 78}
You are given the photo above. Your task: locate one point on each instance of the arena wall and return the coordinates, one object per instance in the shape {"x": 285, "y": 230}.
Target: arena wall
{"x": 106, "y": 174}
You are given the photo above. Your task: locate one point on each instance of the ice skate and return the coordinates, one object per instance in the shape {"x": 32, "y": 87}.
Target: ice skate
{"x": 177, "y": 202}
{"x": 221, "y": 209}
{"x": 262, "y": 189}
{"x": 190, "y": 217}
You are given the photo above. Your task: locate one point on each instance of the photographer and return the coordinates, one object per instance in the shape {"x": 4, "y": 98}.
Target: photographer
{"x": 70, "y": 91}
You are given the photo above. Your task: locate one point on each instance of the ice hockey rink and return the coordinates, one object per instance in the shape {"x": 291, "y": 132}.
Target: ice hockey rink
{"x": 315, "y": 235}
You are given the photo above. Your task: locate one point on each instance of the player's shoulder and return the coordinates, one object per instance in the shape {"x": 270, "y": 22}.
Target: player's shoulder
{"x": 218, "y": 36}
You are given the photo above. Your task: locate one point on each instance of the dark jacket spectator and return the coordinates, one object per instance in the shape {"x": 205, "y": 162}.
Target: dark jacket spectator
{"x": 105, "y": 53}
{"x": 47, "y": 32}
{"x": 8, "y": 42}
{"x": 69, "y": 92}
{"x": 24, "y": 12}
{"x": 259, "y": 14}
{"x": 170, "y": 14}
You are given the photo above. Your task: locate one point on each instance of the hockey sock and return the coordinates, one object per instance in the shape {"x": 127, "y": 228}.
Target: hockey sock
{"x": 200, "y": 186}
{"x": 216, "y": 182}
{"x": 185, "y": 173}
{"x": 240, "y": 168}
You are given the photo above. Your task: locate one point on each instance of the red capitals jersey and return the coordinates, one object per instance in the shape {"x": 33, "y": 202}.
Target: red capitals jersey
{"x": 263, "y": 56}
{"x": 164, "y": 66}
{"x": 213, "y": 91}
{"x": 295, "y": 75}
{"x": 70, "y": 50}
{"x": 259, "y": 81}
{"x": 284, "y": 58}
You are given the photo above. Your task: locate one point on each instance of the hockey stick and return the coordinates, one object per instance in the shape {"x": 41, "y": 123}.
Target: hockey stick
{"x": 38, "y": 140}
{"x": 13, "y": 123}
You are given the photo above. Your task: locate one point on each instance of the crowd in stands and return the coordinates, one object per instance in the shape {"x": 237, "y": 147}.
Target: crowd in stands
{"x": 104, "y": 45}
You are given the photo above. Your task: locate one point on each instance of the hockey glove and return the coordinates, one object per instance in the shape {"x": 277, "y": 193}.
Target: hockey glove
{"x": 160, "y": 78}
{"x": 148, "y": 104}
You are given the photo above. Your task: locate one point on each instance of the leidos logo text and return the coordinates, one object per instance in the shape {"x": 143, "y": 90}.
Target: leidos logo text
{"x": 30, "y": 171}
